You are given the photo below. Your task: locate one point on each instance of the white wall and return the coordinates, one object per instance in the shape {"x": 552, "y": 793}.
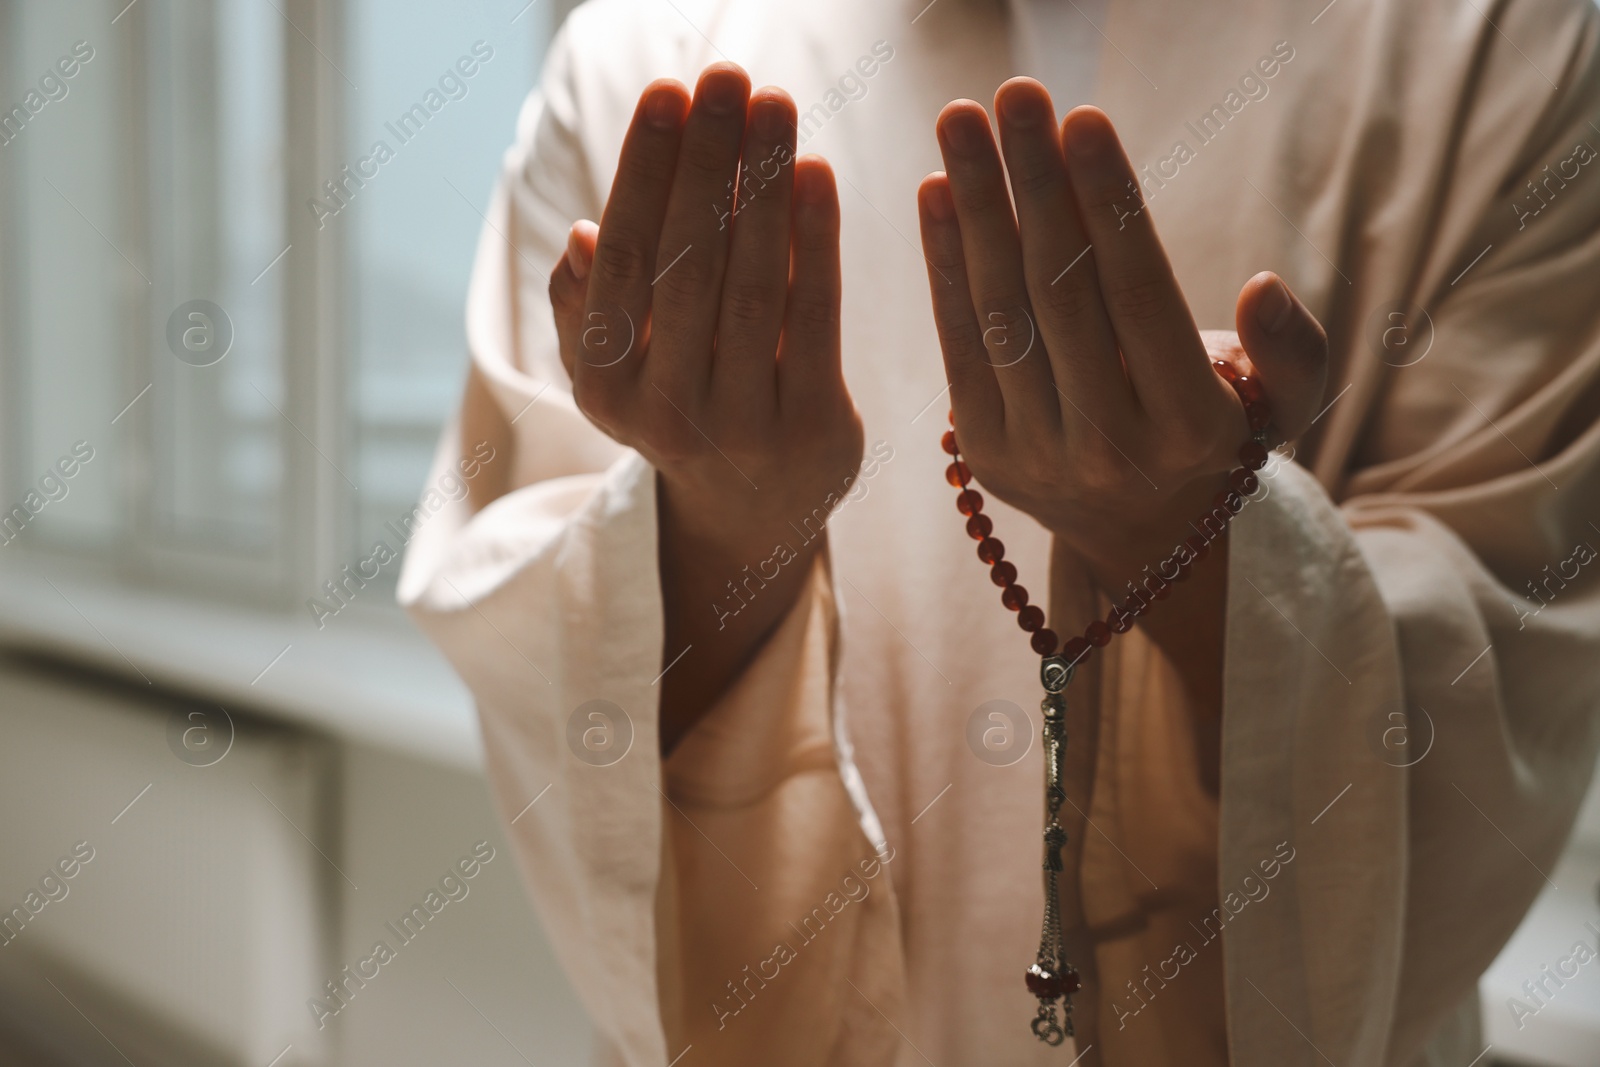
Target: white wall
{"x": 405, "y": 824}
{"x": 224, "y": 898}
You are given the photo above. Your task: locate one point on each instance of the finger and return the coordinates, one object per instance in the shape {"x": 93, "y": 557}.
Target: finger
{"x": 1062, "y": 281}
{"x": 809, "y": 371}
{"x": 974, "y": 390}
{"x": 569, "y": 290}
{"x": 757, "y": 282}
{"x": 618, "y": 298}
{"x": 1289, "y": 350}
{"x": 1160, "y": 345}
{"x": 693, "y": 251}
{"x": 993, "y": 255}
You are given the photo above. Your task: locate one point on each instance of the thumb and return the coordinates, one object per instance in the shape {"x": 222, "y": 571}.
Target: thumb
{"x": 1288, "y": 347}
{"x": 569, "y": 289}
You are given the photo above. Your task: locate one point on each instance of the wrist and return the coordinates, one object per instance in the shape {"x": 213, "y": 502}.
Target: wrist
{"x": 1123, "y": 543}
{"x": 1177, "y": 555}
{"x": 721, "y": 526}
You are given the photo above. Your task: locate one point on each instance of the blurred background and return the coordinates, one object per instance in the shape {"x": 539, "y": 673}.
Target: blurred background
{"x": 230, "y": 331}
{"x": 260, "y": 795}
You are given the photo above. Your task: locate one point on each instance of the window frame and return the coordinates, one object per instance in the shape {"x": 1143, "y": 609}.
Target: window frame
{"x": 317, "y": 512}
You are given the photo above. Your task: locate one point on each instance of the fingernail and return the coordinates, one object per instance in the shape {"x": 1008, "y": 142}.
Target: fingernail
{"x": 771, "y": 120}
{"x": 1274, "y": 306}
{"x": 964, "y": 133}
{"x": 1021, "y": 107}
{"x": 577, "y": 253}
{"x": 664, "y": 109}
{"x": 811, "y": 186}
{"x": 940, "y": 206}
{"x": 1089, "y": 138}
{"x": 722, "y": 91}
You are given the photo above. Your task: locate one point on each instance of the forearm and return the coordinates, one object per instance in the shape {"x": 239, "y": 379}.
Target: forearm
{"x": 1188, "y": 625}
{"x": 724, "y": 590}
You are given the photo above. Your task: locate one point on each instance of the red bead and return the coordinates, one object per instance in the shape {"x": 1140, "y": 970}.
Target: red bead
{"x": 1097, "y": 634}
{"x": 1259, "y": 414}
{"x": 1030, "y": 618}
{"x": 1249, "y": 389}
{"x": 1253, "y": 455}
{"x": 991, "y": 550}
{"x": 948, "y": 443}
{"x": 1229, "y": 501}
{"x": 1014, "y": 597}
{"x": 957, "y": 473}
{"x": 1244, "y": 483}
{"x": 969, "y": 501}
{"x": 1119, "y": 620}
{"x": 1198, "y": 545}
{"x": 1076, "y": 650}
{"x": 1003, "y": 573}
{"x": 1050, "y": 986}
{"x": 1043, "y": 984}
{"x": 1226, "y": 369}
{"x": 1044, "y": 642}
{"x": 979, "y": 527}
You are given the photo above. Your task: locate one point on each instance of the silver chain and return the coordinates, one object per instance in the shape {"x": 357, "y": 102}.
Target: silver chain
{"x": 1051, "y": 962}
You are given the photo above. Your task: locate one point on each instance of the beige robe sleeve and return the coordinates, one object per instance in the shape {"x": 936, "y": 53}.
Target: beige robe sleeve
{"x": 1413, "y": 660}
{"x": 542, "y": 589}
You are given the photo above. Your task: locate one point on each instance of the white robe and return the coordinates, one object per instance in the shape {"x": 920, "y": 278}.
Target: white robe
{"x": 1386, "y": 570}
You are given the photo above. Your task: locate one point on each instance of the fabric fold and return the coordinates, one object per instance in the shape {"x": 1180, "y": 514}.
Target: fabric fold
{"x": 762, "y": 828}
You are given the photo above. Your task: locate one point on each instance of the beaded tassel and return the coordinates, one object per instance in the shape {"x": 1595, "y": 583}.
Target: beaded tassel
{"x": 1052, "y": 978}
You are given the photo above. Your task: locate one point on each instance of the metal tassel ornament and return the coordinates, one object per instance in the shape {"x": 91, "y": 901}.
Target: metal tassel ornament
{"x": 1052, "y": 978}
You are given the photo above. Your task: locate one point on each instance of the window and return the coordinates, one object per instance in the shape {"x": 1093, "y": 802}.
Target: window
{"x": 249, "y": 328}
{"x": 414, "y": 226}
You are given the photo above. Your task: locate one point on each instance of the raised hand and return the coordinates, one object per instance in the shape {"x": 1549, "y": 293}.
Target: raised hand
{"x": 1113, "y": 430}
{"x": 700, "y": 324}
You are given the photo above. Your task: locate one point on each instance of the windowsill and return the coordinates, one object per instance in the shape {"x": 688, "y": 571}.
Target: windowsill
{"x": 366, "y": 677}
{"x": 1559, "y": 1028}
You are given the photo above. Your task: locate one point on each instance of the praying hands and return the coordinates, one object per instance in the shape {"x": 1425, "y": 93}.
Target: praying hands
{"x": 1083, "y": 393}
{"x": 700, "y": 326}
